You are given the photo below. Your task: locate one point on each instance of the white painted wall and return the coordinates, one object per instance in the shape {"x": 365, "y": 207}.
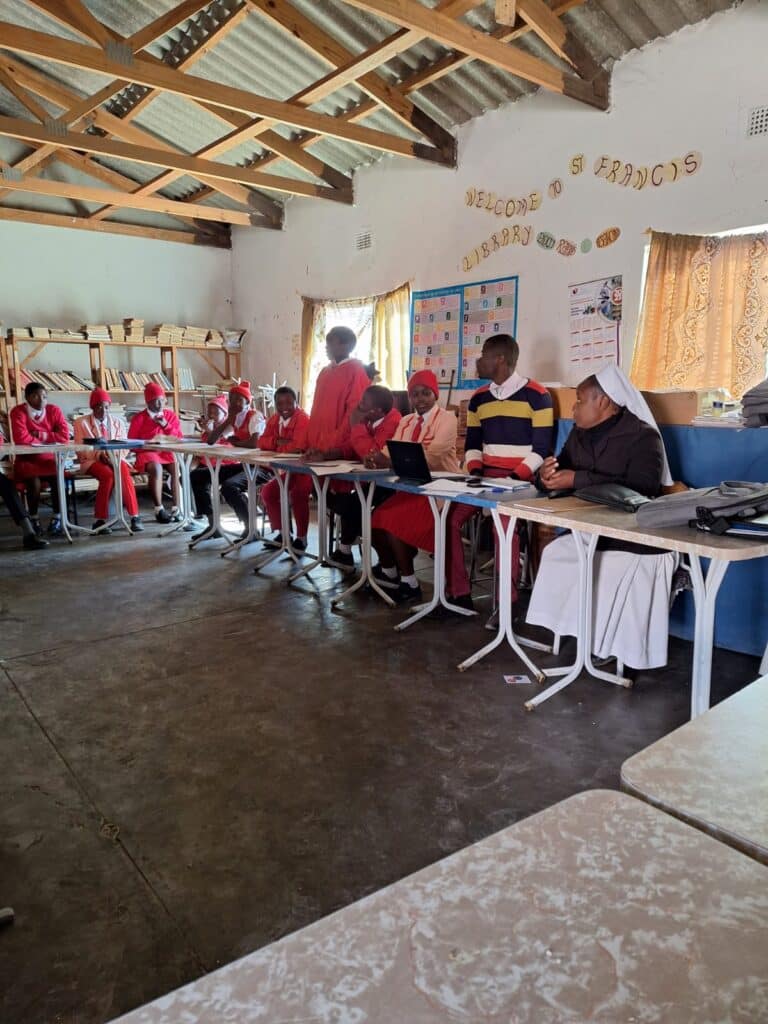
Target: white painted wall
{"x": 53, "y": 276}
{"x": 692, "y": 91}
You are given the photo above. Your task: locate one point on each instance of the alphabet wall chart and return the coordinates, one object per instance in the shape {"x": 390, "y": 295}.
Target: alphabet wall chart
{"x": 449, "y": 326}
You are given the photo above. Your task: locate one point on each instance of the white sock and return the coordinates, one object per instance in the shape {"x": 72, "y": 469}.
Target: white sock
{"x": 346, "y": 549}
{"x": 410, "y": 581}
{"x": 158, "y": 508}
{"x": 389, "y": 571}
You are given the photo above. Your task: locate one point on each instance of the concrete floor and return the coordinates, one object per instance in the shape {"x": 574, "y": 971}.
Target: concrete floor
{"x": 196, "y": 761}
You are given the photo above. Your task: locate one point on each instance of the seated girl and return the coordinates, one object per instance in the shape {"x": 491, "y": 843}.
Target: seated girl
{"x": 35, "y": 422}
{"x": 286, "y": 432}
{"x": 155, "y": 421}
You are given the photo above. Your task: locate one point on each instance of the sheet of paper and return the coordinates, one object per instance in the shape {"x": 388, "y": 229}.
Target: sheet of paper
{"x": 517, "y": 680}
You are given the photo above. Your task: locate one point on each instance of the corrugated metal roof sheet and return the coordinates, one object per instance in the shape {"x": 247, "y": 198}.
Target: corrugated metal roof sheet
{"x": 260, "y": 56}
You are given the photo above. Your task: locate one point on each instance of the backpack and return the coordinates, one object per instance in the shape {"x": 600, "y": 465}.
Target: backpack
{"x": 716, "y": 508}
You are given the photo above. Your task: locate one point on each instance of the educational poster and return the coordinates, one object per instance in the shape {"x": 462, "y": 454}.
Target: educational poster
{"x": 595, "y": 325}
{"x": 449, "y": 326}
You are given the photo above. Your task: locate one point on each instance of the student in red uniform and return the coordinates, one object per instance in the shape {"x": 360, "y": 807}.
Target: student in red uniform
{"x": 102, "y": 424}
{"x": 242, "y": 428}
{"x": 36, "y": 422}
{"x": 18, "y": 513}
{"x": 404, "y": 524}
{"x": 216, "y": 414}
{"x": 373, "y": 423}
{"x": 286, "y": 431}
{"x": 338, "y": 390}
{"x": 157, "y": 420}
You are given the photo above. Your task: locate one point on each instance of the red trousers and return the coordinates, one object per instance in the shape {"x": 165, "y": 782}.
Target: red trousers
{"x": 456, "y": 575}
{"x": 299, "y": 490}
{"x": 106, "y": 477}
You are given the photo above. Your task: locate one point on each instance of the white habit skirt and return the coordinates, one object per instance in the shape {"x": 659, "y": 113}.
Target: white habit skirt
{"x": 630, "y": 611}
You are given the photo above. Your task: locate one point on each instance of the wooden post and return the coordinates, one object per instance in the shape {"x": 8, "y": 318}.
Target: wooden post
{"x": 6, "y": 374}
{"x": 506, "y": 12}
{"x": 95, "y": 355}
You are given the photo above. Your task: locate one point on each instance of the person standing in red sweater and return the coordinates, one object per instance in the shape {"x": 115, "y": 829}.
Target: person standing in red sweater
{"x": 36, "y": 422}
{"x": 338, "y": 391}
{"x": 157, "y": 420}
{"x": 286, "y": 432}
{"x": 373, "y": 423}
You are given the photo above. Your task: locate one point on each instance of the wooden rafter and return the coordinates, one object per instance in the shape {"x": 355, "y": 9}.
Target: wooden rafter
{"x": 412, "y": 14}
{"x": 157, "y": 156}
{"x": 51, "y": 90}
{"x": 61, "y": 220}
{"x": 61, "y": 51}
{"x": 559, "y": 38}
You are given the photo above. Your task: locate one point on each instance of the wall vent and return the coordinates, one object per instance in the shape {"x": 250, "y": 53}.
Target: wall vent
{"x": 364, "y": 240}
{"x": 758, "y": 122}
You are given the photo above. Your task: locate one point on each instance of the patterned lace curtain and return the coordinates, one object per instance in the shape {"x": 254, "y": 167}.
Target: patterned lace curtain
{"x": 704, "y": 321}
{"x": 392, "y": 336}
{"x": 318, "y": 317}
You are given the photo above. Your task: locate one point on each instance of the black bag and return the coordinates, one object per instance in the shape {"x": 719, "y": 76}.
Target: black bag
{"x": 614, "y": 496}
{"x": 714, "y": 507}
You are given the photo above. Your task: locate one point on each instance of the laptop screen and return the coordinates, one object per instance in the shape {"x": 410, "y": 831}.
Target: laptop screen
{"x": 409, "y": 461}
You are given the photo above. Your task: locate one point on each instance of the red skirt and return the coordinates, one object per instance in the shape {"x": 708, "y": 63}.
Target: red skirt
{"x": 144, "y": 458}
{"x": 27, "y": 466}
{"x": 409, "y": 518}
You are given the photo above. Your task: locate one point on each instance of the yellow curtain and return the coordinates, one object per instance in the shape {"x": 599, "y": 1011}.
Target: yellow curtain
{"x": 311, "y": 314}
{"x": 704, "y": 321}
{"x": 390, "y": 344}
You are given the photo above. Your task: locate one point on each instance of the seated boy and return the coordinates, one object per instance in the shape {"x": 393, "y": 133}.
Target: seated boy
{"x": 286, "y": 432}
{"x": 373, "y": 423}
{"x": 242, "y": 428}
{"x": 157, "y": 420}
{"x": 36, "y": 422}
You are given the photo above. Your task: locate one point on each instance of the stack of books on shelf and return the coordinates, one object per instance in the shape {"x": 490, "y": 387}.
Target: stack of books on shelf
{"x": 40, "y": 333}
{"x": 233, "y": 338}
{"x": 57, "y": 380}
{"x": 134, "y": 330}
{"x": 131, "y": 380}
{"x": 116, "y": 332}
{"x": 186, "y": 380}
{"x": 195, "y": 335}
{"x": 19, "y": 333}
{"x": 215, "y": 338}
{"x": 169, "y": 334}
{"x": 96, "y": 332}
{"x": 62, "y": 334}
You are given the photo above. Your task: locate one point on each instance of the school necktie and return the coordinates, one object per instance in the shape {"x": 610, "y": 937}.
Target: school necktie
{"x": 417, "y": 429}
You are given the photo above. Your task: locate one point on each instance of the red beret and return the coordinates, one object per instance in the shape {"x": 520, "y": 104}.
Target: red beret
{"x": 153, "y": 391}
{"x": 424, "y": 379}
{"x": 243, "y": 388}
{"x": 99, "y": 395}
{"x": 220, "y": 400}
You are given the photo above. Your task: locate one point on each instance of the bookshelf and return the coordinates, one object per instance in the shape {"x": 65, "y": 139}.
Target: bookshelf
{"x": 18, "y": 354}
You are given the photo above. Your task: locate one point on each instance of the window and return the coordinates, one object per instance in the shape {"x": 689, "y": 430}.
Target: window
{"x": 704, "y": 316}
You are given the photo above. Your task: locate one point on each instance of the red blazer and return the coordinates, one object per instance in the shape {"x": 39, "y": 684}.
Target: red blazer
{"x": 294, "y": 433}
{"x": 364, "y": 438}
{"x": 51, "y": 429}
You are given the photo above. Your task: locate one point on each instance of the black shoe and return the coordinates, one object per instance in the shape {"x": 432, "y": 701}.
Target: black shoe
{"x": 406, "y": 594}
{"x": 463, "y": 601}
{"x": 273, "y": 542}
{"x": 162, "y": 516}
{"x": 36, "y": 525}
{"x": 345, "y": 558}
{"x": 299, "y": 545}
{"x": 188, "y": 527}
{"x": 136, "y": 524}
{"x": 55, "y": 528}
{"x": 34, "y": 543}
{"x": 100, "y": 526}
{"x": 389, "y": 582}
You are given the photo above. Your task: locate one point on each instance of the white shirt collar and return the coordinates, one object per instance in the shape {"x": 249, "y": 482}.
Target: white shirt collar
{"x": 35, "y": 414}
{"x": 427, "y": 415}
{"x": 377, "y": 423}
{"x": 510, "y": 387}
{"x": 243, "y": 416}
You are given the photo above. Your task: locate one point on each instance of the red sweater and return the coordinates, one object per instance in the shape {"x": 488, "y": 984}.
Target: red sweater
{"x": 338, "y": 391}
{"x": 144, "y": 428}
{"x": 365, "y": 438}
{"x": 51, "y": 428}
{"x": 294, "y": 433}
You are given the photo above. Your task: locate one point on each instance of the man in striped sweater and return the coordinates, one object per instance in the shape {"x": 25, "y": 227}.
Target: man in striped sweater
{"x": 509, "y": 434}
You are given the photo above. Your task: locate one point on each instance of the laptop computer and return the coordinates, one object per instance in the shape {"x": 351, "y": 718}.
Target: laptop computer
{"x": 410, "y": 464}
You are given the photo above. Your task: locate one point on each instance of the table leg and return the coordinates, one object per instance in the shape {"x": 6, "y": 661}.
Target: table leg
{"x": 61, "y": 481}
{"x": 440, "y": 516}
{"x": 252, "y": 534}
{"x": 505, "y": 631}
{"x": 183, "y": 464}
{"x": 704, "y": 598}
{"x": 366, "y": 573}
{"x": 214, "y": 468}
{"x": 115, "y": 460}
{"x": 285, "y": 528}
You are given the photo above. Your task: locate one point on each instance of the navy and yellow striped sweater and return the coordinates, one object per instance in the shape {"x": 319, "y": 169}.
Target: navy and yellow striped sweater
{"x": 511, "y": 436}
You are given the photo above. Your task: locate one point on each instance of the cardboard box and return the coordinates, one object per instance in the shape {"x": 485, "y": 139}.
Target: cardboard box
{"x": 675, "y": 406}
{"x": 562, "y": 402}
